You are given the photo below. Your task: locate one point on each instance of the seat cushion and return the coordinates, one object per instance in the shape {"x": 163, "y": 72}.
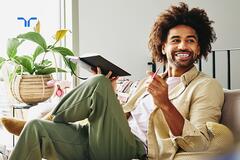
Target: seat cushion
{"x": 231, "y": 111}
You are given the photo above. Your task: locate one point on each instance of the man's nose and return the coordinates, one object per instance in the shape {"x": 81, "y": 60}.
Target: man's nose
{"x": 182, "y": 45}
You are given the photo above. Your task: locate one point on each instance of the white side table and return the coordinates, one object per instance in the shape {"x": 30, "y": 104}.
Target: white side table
{"x": 18, "y": 107}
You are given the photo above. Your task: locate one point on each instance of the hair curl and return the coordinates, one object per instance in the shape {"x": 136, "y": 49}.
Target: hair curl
{"x": 180, "y": 15}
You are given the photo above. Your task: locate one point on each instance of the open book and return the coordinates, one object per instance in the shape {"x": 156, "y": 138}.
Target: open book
{"x": 90, "y": 62}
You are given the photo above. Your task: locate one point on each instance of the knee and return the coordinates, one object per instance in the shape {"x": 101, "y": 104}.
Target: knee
{"x": 36, "y": 126}
{"x": 33, "y": 123}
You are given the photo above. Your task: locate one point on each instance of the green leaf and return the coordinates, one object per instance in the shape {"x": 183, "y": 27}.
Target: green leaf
{"x": 26, "y": 62}
{"x": 72, "y": 66}
{"x": 44, "y": 64}
{"x": 49, "y": 71}
{"x": 34, "y": 37}
{"x": 37, "y": 52}
{"x": 2, "y": 60}
{"x": 65, "y": 52}
{"x": 21, "y": 70}
{"x": 12, "y": 46}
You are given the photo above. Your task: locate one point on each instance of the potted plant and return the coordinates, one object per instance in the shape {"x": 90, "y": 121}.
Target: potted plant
{"x": 28, "y": 80}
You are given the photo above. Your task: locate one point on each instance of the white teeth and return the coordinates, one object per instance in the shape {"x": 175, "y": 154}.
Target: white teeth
{"x": 182, "y": 55}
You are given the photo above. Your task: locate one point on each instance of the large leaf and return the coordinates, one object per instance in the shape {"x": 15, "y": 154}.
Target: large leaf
{"x": 37, "y": 52}
{"x": 49, "y": 71}
{"x": 26, "y": 62}
{"x": 2, "y": 60}
{"x": 65, "y": 52}
{"x": 34, "y": 37}
{"x": 12, "y": 46}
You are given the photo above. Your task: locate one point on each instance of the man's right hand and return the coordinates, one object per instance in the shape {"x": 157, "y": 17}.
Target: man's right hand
{"x": 113, "y": 79}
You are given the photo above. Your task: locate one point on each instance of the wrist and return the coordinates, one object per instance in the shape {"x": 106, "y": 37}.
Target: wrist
{"x": 166, "y": 106}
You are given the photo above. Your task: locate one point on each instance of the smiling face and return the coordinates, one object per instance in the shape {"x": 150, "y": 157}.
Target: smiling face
{"x": 181, "y": 48}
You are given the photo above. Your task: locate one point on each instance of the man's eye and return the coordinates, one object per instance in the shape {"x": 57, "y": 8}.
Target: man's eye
{"x": 175, "y": 40}
{"x": 191, "y": 40}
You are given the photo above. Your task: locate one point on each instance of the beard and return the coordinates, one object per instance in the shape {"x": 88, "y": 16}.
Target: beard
{"x": 182, "y": 62}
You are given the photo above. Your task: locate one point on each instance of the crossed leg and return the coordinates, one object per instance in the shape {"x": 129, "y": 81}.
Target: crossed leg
{"x": 108, "y": 134}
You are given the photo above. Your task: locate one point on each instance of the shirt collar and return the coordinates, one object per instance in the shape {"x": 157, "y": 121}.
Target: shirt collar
{"x": 187, "y": 77}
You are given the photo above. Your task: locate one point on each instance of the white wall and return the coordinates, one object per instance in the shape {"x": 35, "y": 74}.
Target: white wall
{"x": 119, "y": 29}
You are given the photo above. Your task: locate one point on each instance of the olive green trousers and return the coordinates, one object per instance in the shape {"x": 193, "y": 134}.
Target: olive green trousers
{"x": 106, "y": 137}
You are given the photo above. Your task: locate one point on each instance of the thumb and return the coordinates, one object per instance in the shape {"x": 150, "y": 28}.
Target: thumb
{"x": 149, "y": 73}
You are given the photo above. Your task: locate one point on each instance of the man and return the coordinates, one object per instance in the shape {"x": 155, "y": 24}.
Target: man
{"x": 167, "y": 113}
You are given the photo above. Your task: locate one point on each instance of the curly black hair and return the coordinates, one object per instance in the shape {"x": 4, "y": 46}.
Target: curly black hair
{"x": 181, "y": 15}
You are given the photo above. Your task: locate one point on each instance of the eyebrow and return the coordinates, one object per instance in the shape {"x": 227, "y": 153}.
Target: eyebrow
{"x": 190, "y": 36}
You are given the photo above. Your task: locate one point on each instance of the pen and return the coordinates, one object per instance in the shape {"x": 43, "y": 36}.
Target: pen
{"x": 154, "y": 75}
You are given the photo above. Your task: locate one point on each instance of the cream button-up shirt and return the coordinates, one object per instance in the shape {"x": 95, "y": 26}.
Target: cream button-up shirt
{"x": 199, "y": 98}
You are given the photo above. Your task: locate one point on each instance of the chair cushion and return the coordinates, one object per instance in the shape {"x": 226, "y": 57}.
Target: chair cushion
{"x": 231, "y": 111}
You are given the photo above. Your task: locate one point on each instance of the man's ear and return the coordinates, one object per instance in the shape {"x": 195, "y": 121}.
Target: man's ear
{"x": 163, "y": 51}
{"x": 199, "y": 51}
{"x": 198, "y": 54}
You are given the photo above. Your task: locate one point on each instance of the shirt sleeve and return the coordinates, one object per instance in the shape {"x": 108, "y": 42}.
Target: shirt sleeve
{"x": 207, "y": 101}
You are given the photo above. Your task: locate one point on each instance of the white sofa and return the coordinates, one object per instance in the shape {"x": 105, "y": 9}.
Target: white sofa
{"x": 222, "y": 136}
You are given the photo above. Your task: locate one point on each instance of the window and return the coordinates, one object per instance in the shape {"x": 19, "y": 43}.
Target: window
{"x": 46, "y": 11}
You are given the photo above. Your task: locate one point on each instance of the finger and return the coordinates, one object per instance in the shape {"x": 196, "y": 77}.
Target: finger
{"x": 150, "y": 90}
{"x": 152, "y": 87}
{"x": 150, "y": 73}
{"x": 99, "y": 71}
{"x": 93, "y": 70}
{"x": 151, "y": 80}
{"x": 160, "y": 80}
{"x": 156, "y": 77}
{"x": 114, "y": 78}
{"x": 155, "y": 84}
{"x": 109, "y": 74}
{"x": 149, "y": 84}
